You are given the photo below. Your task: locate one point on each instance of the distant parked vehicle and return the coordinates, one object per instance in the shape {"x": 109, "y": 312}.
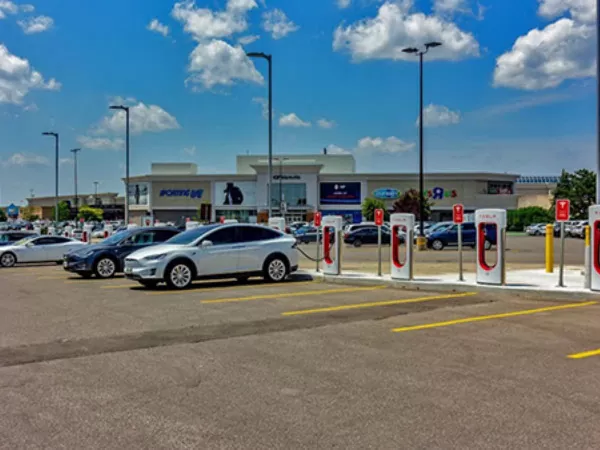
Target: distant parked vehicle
{"x": 306, "y": 235}
{"x": 37, "y": 249}
{"x": 448, "y": 237}
{"x": 368, "y": 235}
{"x": 535, "y": 229}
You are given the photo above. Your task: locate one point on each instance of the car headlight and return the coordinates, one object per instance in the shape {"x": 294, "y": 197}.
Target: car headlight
{"x": 155, "y": 257}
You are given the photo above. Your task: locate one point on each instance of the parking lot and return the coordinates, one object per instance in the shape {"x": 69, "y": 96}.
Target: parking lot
{"x": 302, "y": 364}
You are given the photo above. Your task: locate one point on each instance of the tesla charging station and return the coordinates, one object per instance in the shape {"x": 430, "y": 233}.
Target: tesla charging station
{"x": 278, "y": 223}
{"x": 332, "y": 225}
{"x": 108, "y": 230}
{"x": 87, "y": 234}
{"x": 491, "y": 273}
{"x": 402, "y": 256}
{"x": 594, "y": 221}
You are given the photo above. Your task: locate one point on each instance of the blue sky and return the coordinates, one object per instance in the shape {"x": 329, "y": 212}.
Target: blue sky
{"x": 504, "y": 92}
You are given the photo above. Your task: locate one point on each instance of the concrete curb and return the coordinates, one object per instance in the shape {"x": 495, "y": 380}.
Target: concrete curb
{"x": 432, "y": 286}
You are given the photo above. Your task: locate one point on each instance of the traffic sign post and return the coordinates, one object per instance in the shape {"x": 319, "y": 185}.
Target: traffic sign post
{"x": 379, "y": 223}
{"x": 458, "y": 217}
{"x": 317, "y": 222}
{"x": 563, "y": 214}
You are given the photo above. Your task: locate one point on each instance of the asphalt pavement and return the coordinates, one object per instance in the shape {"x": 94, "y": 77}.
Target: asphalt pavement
{"x": 107, "y": 364}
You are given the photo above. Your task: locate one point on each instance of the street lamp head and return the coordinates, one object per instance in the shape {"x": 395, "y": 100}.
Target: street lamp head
{"x": 258, "y": 55}
{"x": 410, "y": 50}
{"x": 49, "y": 133}
{"x": 75, "y": 150}
{"x": 124, "y": 108}
{"x": 432, "y": 44}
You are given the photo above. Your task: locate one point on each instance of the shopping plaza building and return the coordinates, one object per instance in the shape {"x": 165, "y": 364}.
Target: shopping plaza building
{"x": 302, "y": 184}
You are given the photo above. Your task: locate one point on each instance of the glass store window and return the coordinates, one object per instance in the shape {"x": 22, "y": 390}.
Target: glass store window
{"x": 241, "y": 215}
{"x": 500, "y": 188}
{"x": 294, "y": 194}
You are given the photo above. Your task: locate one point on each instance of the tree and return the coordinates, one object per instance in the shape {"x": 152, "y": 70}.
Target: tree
{"x": 370, "y": 205}
{"x": 88, "y": 213}
{"x": 409, "y": 203}
{"x": 518, "y": 219}
{"x": 578, "y": 187}
{"x": 28, "y": 214}
{"x": 2, "y": 215}
{"x": 64, "y": 212}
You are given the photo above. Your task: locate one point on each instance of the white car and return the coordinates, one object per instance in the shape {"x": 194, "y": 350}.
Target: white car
{"x": 38, "y": 249}
{"x": 215, "y": 251}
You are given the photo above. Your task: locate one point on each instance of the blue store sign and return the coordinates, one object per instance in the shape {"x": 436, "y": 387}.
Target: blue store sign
{"x": 190, "y": 193}
{"x": 12, "y": 211}
{"x": 386, "y": 193}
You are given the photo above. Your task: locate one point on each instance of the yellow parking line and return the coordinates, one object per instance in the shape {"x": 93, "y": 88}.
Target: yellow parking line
{"x": 293, "y": 294}
{"x": 233, "y": 286}
{"x": 490, "y": 317}
{"x": 374, "y": 304}
{"x": 55, "y": 277}
{"x": 584, "y": 354}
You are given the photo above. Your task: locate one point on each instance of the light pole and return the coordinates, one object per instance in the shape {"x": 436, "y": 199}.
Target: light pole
{"x": 421, "y": 242}
{"x": 269, "y": 59}
{"x": 96, "y": 192}
{"x": 75, "y": 151}
{"x": 52, "y": 133}
{"x": 126, "y": 109}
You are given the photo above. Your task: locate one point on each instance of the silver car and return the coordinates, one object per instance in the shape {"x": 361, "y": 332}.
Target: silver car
{"x": 215, "y": 251}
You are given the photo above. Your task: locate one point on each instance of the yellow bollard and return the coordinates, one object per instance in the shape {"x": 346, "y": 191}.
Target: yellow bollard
{"x": 421, "y": 243}
{"x": 549, "y": 248}
{"x": 587, "y": 236}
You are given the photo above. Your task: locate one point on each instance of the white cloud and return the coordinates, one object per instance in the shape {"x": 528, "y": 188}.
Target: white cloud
{"x": 522, "y": 103}
{"x": 395, "y": 28}
{"x": 25, "y": 159}
{"x": 450, "y": 6}
{"x": 292, "y": 120}
{"x": 278, "y": 24}
{"x": 263, "y": 102}
{"x": 246, "y": 40}
{"x": 27, "y": 8}
{"x": 142, "y": 118}
{"x": 343, "y": 4}
{"x": 37, "y": 24}
{"x": 324, "y": 123}
{"x": 101, "y": 143}
{"x": 390, "y": 145}
{"x": 17, "y": 78}
{"x": 545, "y": 58}
{"x": 203, "y": 23}
{"x": 333, "y": 149}
{"x": 439, "y": 116}
{"x": 580, "y": 10}
{"x": 32, "y": 107}
{"x": 7, "y": 6}
{"x": 218, "y": 63}
{"x": 158, "y": 27}
{"x": 65, "y": 161}
{"x": 190, "y": 151}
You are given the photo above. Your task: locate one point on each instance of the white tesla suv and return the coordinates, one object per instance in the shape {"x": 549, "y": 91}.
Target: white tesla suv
{"x": 215, "y": 251}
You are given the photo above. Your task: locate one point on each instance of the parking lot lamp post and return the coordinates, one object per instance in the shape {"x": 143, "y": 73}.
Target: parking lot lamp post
{"x": 421, "y": 241}
{"x": 75, "y": 151}
{"x": 51, "y": 133}
{"x": 269, "y": 59}
{"x": 126, "y": 109}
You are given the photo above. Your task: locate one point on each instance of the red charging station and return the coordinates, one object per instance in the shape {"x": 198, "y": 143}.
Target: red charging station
{"x": 492, "y": 222}
{"x": 594, "y": 221}
{"x": 332, "y": 226}
{"x": 402, "y": 254}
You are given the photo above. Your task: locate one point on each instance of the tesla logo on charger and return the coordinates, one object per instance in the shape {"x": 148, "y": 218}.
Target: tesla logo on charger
{"x": 190, "y": 193}
{"x": 563, "y": 210}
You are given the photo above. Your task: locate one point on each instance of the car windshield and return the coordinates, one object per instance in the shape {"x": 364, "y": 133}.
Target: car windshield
{"x": 187, "y": 237}
{"x": 115, "y": 238}
{"x": 24, "y": 240}
{"x": 440, "y": 227}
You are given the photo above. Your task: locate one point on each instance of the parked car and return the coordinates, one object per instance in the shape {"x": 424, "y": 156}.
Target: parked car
{"x": 10, "y": 237}
{"x": 305, "y": 235}
{"x": 107, "y": 258}
{"x": 448, "y": 237}
{"x": 440, "y": 226}
{"x": 216, "y": 251}
{"x": 368, "y": 235}
{"x": 37, "y": 249}
{"x": 535, "y": 229}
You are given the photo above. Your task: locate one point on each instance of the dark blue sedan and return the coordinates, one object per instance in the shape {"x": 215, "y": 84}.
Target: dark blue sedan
{"x": 108, "y": 257}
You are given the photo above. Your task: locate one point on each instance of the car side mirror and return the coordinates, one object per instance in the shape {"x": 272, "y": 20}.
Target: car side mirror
{"x": 206, "y": 244}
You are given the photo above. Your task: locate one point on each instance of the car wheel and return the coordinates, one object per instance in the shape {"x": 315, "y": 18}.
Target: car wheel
{"x": 105, "y": 268}
{"x": 437, "y": 245}
{"x": 275, "y": 269}
{"x": 179, "y": 275}
{"x": 8, "y": 259}
{"x": 487, "y": 245}
{"x": 357, "y": 243}
{"x": 150, "y": 284}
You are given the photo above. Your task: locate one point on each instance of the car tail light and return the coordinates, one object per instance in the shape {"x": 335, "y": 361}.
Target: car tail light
{"x": 346, "y": 235}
